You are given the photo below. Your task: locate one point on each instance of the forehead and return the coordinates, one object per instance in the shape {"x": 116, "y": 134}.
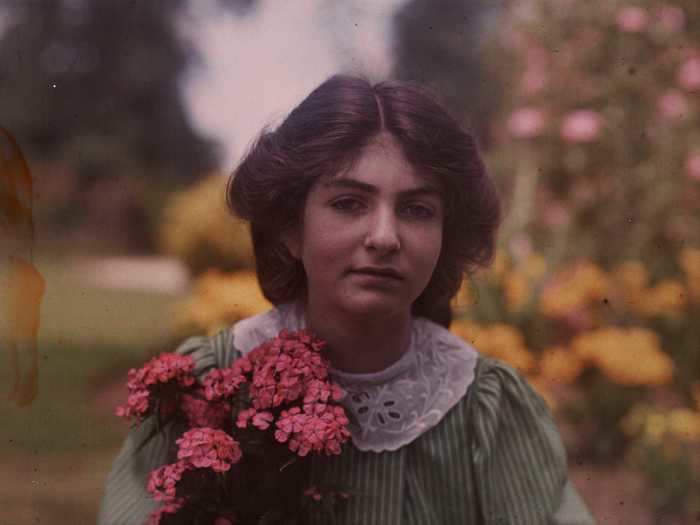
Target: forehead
{"x": 382, "y": 166}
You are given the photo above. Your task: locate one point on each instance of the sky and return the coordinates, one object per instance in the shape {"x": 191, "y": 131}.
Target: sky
{"x": 256, "y": 68}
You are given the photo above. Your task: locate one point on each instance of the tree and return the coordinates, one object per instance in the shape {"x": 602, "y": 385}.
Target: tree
{"x": 439, "y": 44}
{"x": 91, "y": 91}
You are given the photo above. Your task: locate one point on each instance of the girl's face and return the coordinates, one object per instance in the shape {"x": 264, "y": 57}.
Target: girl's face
{"x": 382, "y": 215}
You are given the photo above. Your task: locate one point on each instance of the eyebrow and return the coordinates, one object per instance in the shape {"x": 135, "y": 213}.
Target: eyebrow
{"x": 426, "y": 189}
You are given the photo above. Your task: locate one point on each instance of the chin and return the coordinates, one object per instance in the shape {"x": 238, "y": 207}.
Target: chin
{"x": 375, "y": 306}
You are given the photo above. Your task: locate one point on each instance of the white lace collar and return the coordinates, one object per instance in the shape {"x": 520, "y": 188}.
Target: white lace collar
{"x": 396, "y": 405}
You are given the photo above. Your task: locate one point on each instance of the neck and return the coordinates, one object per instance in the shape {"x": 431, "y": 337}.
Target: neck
{"x": 360, "y": 344}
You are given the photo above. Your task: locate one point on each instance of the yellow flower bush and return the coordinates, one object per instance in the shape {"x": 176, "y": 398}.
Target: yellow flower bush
{"x": 626, "y": 356}
{"x": 463, "y": 299}
{"x": 560, "y": 364}
{"x": 219, "y": 300}
{"x": 573, "y": 289}
{"x": 632, "y": 278}
{"x": 689, "y": 260}
{"x": 499, "y": 341}
{"x": 516, "y": 289}
{"x": 666, "y": 298}
{"x": 655, "y": 425}
{"x": 535, "y": 267}
{"x": 499, "y": 266}
{"x": 198, "y": 229}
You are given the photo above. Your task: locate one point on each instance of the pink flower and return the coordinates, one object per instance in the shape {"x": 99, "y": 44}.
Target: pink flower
{"x": 535, "y": 76}
{"x": 162, "y": 482}
{"x": 244, "y": 416}
{"x": 262, "y": 420}
{"x": 632, "y": 19}
{"x": 670, "y": 17}
{"x": 581, "y": 126}
{"x": 526, "y": 122}
{"x": 692, "y": 165}
{"x": 688, "y": 76}
{"x": 284, "y": 367}
{"x": 168, "y": 508}
{"x": 136, "y": 405}
{"x": 672, "y": 104}
{"x": 322, "y": 391}
{"x": 313, "y": 493}
{"x": 223, "y": 383}
{"x": 556, "y": 214}
{"x": 520, "y": 246}
{"x": 208, "y": 448}
{"x": 150, "y": 380}
{"x": 319, "y": 428}
{"x": 203, "y": 413}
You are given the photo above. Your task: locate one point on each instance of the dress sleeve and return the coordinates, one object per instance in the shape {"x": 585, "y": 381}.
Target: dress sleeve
{"x": 125, "y": 500}
{"x": 518, "y": 456}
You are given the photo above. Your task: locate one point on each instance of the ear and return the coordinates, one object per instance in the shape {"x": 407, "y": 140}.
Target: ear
{"x": 291, "y": 239}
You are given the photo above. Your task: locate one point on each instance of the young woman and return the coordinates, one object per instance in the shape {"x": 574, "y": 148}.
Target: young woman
{"x": 368, "y": 205}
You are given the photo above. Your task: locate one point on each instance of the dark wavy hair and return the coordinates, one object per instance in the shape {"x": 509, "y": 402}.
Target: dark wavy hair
{"x": 322, "y": 136}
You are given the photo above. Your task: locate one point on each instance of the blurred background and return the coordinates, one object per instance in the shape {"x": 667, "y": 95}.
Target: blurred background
{"x": 131, "y": 114}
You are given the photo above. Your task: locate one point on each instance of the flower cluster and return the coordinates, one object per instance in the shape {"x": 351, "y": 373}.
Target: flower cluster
{"x": 317, "y": 427}
{"x": 280, "y": 391}
{"x": 168, "y": 508}
{"x": 627, "y": 356}
{"x": 655, "y": 425}
{"x": 220, "y": 299}
{"x": 208, "y": 448}
{"x": 203, "y": 413}
{"x": 499, "y": 340}
{"x": 286, "y": 370}
{"x": 572, "y": 289}
{"x": 147, "y": 382}
{"x": 162, "y": 483}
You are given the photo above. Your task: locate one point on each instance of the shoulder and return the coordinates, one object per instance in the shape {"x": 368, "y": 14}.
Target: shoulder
{"x": 222, "y": 348}
{"x": 208, "y": 352}
{"x": 505, "y": 404}
{"x": 515, "y": 443}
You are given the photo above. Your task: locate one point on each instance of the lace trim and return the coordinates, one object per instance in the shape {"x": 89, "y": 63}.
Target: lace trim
{"x": 394, "y": 406}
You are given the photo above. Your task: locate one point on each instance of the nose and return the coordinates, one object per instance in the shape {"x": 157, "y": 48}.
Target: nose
{"x": 382, "y": 231}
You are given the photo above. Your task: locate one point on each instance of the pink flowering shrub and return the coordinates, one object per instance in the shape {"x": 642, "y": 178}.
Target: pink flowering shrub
{"x": 632, "y": 19}
{"x": 672, "y": 104}
{"x": 689, "y": 74}
{"x": 526, "y": 122}
{"x": 583, "y": 125}
{"x": 692, "y": 165}
{"x": 245, "y": 427}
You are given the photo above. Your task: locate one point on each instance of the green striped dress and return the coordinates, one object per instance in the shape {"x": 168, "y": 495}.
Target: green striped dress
{"x": 494, "y": 458}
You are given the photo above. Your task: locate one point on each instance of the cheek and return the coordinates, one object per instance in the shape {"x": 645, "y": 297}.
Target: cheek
{"x": 430, "y": 247}
{"x": 322, "y": 250}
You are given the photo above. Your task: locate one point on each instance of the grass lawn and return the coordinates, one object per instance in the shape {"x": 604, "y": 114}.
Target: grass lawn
{"x": 57, "y": 451}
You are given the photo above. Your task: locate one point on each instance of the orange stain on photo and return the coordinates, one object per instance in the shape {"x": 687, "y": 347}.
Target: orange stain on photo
{"x": 22, "y": 286}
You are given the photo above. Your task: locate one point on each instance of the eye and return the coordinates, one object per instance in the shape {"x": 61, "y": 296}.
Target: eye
{"x": 419, "y": 211}
{"x": 346, "y": 204}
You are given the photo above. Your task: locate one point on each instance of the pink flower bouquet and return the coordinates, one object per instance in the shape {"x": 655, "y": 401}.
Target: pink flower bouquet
{"x": 247, "y": 433}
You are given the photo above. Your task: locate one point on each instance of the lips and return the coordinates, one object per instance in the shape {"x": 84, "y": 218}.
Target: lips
{"x": 382, "y": 272}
